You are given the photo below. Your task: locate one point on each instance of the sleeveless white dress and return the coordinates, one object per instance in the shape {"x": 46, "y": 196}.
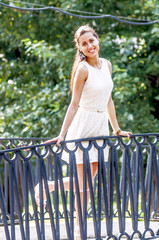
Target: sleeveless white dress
{"x": 91, "y": 119}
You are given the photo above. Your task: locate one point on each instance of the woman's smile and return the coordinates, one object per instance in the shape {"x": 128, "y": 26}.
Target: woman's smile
{"x": 92, "y": 50}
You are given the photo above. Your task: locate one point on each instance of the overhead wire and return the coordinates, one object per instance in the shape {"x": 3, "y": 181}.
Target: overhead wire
{"x": 91, "y": 16}
{"x": 74, "y": 10}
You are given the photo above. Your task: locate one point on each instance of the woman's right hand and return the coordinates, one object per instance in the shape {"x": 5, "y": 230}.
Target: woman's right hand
{"x": 57, "y": 139}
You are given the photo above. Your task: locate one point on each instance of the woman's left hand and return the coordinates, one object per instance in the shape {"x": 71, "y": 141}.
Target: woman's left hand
{"x": 124, "y": 133}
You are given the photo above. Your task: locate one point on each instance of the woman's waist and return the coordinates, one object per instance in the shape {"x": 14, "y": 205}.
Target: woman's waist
{"x": 93, "y": 109}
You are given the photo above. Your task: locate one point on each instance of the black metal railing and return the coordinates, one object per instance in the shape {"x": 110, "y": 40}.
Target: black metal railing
{"x": 126, "y": 186}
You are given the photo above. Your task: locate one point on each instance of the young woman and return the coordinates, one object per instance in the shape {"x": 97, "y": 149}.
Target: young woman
{"x": 91, "y": 105}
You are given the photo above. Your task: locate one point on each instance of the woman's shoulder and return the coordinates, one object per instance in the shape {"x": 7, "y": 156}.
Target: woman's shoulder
{"x": 82, "y": 69}
{"x": 83, "y": 66}
{"x": 108, "y": 63}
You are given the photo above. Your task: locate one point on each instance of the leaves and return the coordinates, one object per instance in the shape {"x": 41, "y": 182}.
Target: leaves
{"x": 37, "y": 53}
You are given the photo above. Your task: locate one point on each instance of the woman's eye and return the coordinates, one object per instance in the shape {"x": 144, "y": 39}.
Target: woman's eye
{"x": 91, "y": 40}
{"x": 84, "y": 44}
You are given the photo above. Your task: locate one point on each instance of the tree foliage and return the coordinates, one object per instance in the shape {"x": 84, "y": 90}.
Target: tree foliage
{"x": 36, "y": 56}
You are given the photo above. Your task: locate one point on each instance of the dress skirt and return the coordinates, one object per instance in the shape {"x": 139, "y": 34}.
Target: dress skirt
{"x": 87, "y": 123}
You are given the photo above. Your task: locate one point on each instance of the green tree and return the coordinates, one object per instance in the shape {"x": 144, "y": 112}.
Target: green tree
{"x": 36, "y": 56}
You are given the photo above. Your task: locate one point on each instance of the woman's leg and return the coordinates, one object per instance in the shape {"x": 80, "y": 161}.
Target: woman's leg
{"x": 51, "y": 186}
{"x": 66, "y": 183}
{"x": 94, "y": 168}
{"x": 66, "y": 180}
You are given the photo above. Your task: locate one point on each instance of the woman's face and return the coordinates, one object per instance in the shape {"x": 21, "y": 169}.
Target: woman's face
{"x": 89, "y": 44}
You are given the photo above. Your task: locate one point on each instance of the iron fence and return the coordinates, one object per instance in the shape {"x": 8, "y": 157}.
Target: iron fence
{"x": 125, "y": 187}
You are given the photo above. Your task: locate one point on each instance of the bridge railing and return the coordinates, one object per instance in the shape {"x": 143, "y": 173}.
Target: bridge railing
{"x": 126, "y": 186}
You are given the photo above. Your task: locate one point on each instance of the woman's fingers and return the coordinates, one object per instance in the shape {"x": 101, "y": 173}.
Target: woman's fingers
{"x": 125, "y": 133}
{"x": 51, "y": 140}
{"x": 60, "y": 139}
{"x": 56, "y": 139}
{"x": 24, "y": 145}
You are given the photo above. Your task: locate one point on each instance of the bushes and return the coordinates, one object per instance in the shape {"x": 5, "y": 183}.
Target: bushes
{"x": 36, "y": 56}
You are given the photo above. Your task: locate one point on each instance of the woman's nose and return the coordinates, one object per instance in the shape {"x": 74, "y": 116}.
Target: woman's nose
{"x": 89, "y": 45}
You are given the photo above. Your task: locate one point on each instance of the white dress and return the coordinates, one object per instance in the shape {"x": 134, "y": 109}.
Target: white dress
{"x": 91, "y": 119}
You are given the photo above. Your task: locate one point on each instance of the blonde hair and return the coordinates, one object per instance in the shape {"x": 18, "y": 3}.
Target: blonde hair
{"x": 79, "y": 55}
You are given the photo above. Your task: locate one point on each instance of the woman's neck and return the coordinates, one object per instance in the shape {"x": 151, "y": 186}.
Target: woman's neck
{"x": 94, "y": 62}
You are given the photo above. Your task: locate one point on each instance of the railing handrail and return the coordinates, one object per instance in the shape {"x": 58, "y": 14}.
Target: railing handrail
{"x": 70, "y": 141}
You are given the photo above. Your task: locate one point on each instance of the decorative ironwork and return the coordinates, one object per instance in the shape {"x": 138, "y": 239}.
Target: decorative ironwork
{"x": 127, "y": 186}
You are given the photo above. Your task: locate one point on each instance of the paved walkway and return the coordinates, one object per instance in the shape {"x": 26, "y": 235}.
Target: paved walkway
{"x": 48, "y": 233}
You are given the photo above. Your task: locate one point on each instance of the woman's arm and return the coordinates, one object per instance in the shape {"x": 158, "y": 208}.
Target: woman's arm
{"x": 113, "y": 119}
{"x": 112, "y": 113}
{"x": 80, "y": 78}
